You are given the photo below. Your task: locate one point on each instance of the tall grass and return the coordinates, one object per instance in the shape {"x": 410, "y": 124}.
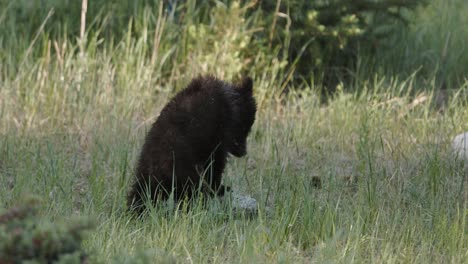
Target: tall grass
{"x": 71, "y": 127}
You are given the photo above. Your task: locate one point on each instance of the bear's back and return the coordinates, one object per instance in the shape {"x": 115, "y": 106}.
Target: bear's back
{"x": 193, "y": 122}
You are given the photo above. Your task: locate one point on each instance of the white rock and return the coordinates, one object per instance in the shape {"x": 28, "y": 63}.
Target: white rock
{"x": 460, "y": 146}
{"x": 243, "y": 202}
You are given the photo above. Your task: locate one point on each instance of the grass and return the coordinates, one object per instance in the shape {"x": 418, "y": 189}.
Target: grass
{"x": 71, "y": 127}
{"x": 392, "y": 192}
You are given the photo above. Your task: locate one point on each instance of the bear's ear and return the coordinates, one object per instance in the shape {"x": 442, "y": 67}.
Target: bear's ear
{"x": 247, "y": 85}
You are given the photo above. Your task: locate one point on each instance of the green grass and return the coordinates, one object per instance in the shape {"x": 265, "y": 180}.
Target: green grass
{"x": 391, "y": 192}
{"x": 71, "y": 128}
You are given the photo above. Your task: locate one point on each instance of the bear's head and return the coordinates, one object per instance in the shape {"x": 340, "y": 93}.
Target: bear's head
{"x": 244, "y": 110}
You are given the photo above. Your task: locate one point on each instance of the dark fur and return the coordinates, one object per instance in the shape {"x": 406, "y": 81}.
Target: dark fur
{"x": 190, "y": 141}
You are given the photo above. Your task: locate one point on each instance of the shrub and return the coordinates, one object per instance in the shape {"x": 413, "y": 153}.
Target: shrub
{"x": 323, "y": 38}
{"x": 26, "y": 236}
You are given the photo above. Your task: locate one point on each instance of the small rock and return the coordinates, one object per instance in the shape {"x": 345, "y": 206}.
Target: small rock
{"x": 243, "y": 202}
{"x": 316, "y": 182}
{"x": 460, "y": 146}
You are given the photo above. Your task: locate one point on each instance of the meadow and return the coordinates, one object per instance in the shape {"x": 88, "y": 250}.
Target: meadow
{"x": 73, "y": 115}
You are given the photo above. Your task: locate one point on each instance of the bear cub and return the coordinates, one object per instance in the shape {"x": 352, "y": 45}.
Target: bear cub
{"x": 186, "y": 149}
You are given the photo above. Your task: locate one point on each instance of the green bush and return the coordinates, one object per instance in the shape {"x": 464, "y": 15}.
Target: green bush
{"x": 323, "y": 38}
{"x": 25, "y": 236}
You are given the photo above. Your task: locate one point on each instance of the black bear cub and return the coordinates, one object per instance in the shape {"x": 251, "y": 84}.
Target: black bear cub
{"x": 186, "y": 149}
